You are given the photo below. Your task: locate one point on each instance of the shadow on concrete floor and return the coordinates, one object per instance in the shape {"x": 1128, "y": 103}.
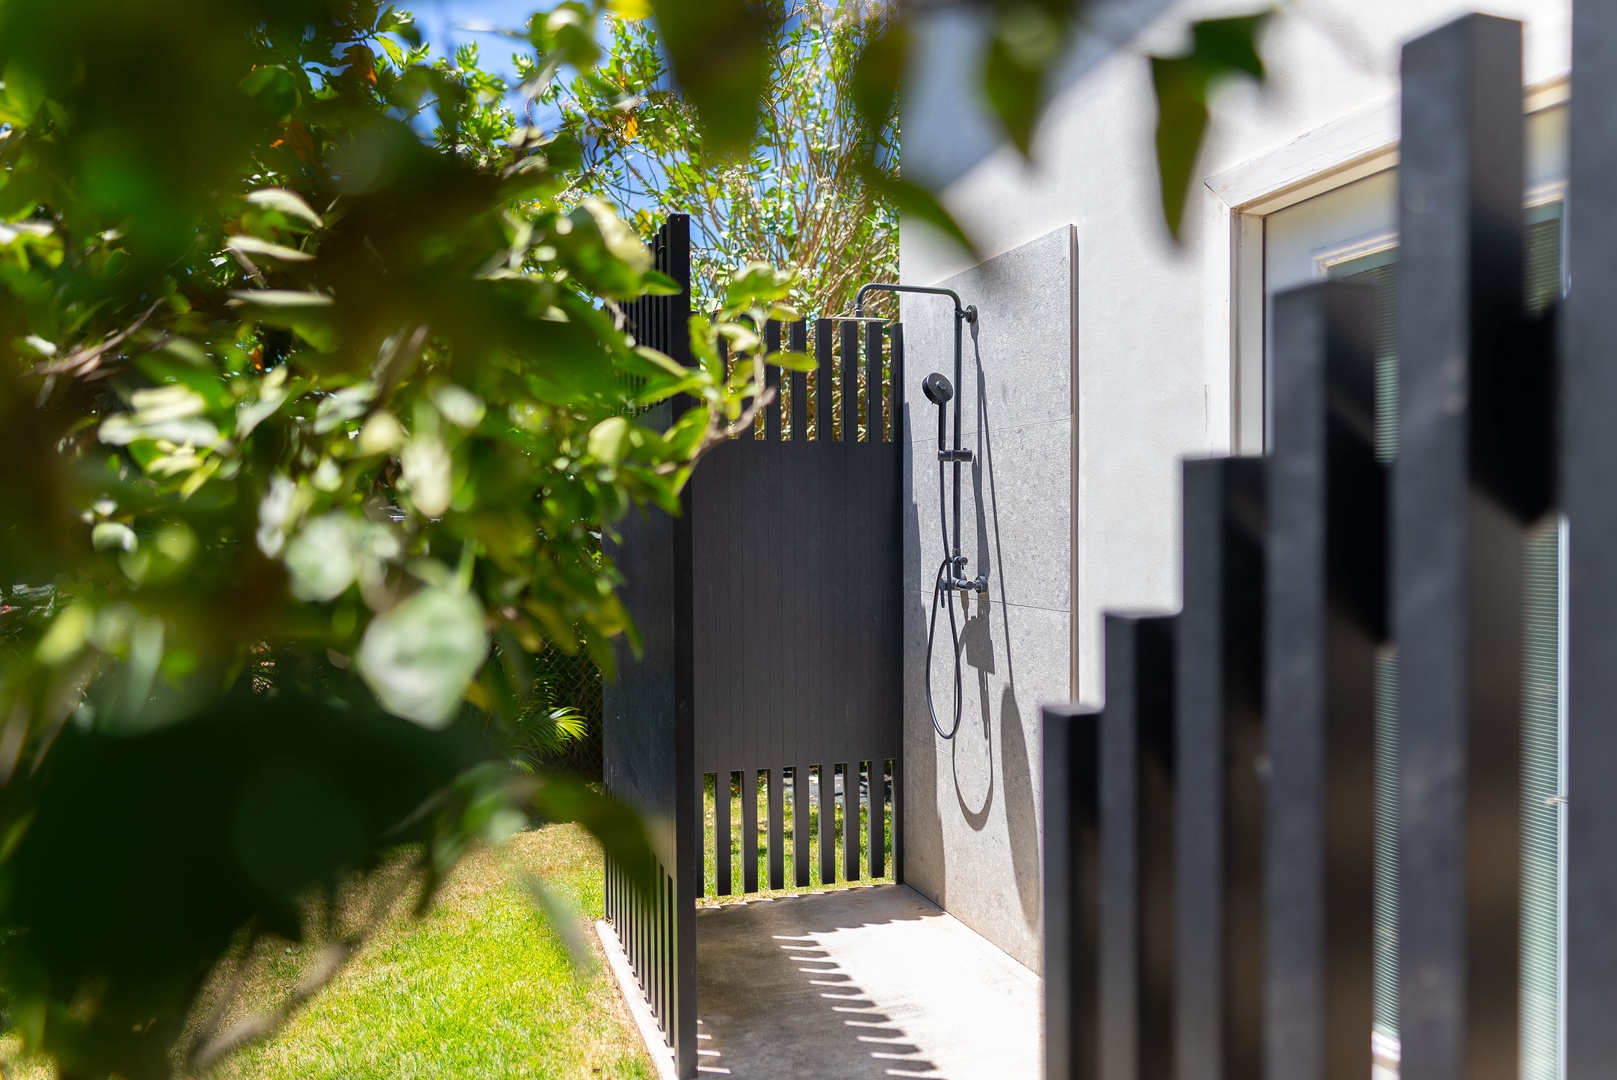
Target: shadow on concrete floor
{"x": 864, "y": 983}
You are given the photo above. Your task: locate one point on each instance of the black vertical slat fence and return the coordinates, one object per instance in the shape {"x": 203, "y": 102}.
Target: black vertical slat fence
{"x": 1219, "y": 749}
{"x": 797, "y": 543}
{"x": 1457, "y": 533}
{"x": 1588, "y": 465}
{"x": 1136, "y": 849}
{"x": 1211, "y": 836}
{"x": 648, "y": 724}
{"x": 1327, "y": 615}
{"x": 1071, "y": 755}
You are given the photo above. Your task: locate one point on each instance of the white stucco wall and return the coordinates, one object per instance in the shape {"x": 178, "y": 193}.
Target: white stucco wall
{"x": 1154, "y": 323}
{"x": 1156, "y": 351}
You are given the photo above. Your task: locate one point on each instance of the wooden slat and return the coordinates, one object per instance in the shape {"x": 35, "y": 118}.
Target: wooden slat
{"x": 850, "y": 820}
{"x": 1137, "y": 824}
{"x": 1326, "y": 614}
{"x": 824, "y": 376}
{"x": 797, "y": 341}
{"x": 749, "y": 830}
{"x": 878, "y": 818}
{"x": 828, "y": 825}
{"x": 896, "y": 347}
{"x": 1072, "y": 894}
{"x": 874, "y": 427}
{"x": 772, "y": 380}
{"x": 1220, "y": 753}
{"x": 849, "y": 371}
{"x": 1589, "y": 446}
{"x": 800, "y": 826}
{"x": 777, "y": 830}
{"x": 723, "y": 834}
{"x": 1464, "y": 390}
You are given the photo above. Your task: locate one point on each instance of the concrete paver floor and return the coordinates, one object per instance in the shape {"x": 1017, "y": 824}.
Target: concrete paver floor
{"x": 869, "y": 982}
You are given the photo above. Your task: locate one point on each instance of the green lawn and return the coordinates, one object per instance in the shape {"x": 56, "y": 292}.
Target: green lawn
{"x": 811, "y": 835}
{"x": 480, "y": 987}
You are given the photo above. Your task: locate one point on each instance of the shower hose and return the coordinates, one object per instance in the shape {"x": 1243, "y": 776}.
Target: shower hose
{"x": 940, "y": 598}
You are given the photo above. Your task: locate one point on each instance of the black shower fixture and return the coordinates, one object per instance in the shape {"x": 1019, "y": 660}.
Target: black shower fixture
{"x": 952, "y": 570}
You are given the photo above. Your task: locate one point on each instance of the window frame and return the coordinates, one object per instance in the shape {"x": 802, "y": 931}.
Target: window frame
{"x": 1237, "y": 204}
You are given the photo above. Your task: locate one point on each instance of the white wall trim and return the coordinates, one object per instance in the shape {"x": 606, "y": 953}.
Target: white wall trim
{"x": 1358, "y": 145}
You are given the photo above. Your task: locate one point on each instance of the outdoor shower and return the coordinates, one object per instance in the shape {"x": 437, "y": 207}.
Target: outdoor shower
{"x": 952, "y": 570}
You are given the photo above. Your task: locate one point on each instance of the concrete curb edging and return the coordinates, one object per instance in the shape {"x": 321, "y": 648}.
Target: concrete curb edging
{"x": 662, "y": 1055}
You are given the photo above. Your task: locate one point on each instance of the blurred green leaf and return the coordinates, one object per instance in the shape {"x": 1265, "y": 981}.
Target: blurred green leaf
{"x": 1028, "y": 38}
{"x": 915, "y": 201}
{"x": 719, "y": 51}
{"x": 419, "y": 657}
{"x": 273, "y": 89}
{"x": 1221, "y": 49}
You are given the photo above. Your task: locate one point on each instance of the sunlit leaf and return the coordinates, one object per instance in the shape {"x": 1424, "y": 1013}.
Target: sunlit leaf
{"x": 320, "y": 559}
{"x": 609, "y": 440}
{"x": 253, "y": 245}
{"x": 632, "y": 10}
{"x": 419, "y": 657}
{"x": 285, "y": 202}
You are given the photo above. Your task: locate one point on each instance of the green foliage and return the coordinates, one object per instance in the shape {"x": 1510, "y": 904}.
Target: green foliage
{"x": 1220, "y": 50}
{"x": 808, "y": 183}
{"x": 318, "y": 397}
{"x": 714, "y": 68}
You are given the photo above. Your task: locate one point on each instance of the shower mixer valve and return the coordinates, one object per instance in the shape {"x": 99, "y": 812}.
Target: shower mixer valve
{"x": 962, "y": 583}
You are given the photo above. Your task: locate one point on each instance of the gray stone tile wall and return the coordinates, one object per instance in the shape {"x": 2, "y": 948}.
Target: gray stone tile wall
{"x": 972, "y": 806}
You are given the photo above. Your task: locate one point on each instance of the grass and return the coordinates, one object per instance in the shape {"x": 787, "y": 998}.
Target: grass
{"x": 789, "y": 838}
{"x": 483, "y": 985}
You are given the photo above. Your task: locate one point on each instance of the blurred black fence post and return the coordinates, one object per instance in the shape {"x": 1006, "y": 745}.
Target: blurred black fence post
{"x": 1219, "y": 749}
{"x": 1473, "y": 467}
{"x": 1136, "y": 827}
{"x": 1589, "y": 466}
{"x": 1326, "y": 601}
{"x": 1071, "y": 896}
{"x": 1237, "y": 747}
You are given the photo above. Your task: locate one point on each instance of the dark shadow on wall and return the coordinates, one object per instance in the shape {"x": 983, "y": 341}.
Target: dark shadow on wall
{"x": 977, "y": 653}
{"x": 1016, "y": 765}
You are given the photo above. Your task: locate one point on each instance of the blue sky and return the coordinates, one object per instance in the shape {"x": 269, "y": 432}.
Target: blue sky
{"x": 445, "y": 24}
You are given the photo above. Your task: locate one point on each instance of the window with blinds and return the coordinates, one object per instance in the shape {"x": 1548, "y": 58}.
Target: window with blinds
{"x": 1541, "y": 709}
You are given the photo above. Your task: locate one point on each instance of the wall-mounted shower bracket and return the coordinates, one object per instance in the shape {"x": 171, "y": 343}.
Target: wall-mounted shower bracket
{"x": 955, "y": 455}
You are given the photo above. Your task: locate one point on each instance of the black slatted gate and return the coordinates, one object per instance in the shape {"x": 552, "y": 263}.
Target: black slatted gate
{"x": 796, "y": 545}
{"x": 770, "y": 617}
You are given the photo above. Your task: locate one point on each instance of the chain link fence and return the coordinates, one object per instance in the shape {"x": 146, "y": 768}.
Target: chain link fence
{"x": 574, "y": 682}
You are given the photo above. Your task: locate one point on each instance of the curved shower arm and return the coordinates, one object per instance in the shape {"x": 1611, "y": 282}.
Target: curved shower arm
{"x": 881, "y": 286}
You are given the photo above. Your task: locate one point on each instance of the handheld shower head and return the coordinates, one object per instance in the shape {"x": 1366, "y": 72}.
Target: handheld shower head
{"x": 937, "y": 388}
